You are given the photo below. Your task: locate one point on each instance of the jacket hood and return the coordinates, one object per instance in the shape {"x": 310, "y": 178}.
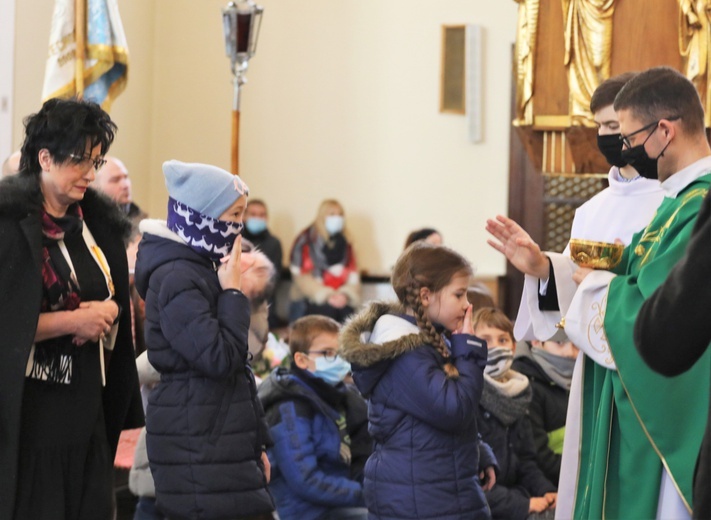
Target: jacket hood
{"x": 370, "y": 357}
{"x": 275, "y": 388}
{"x": 282, "y": 385}
{"x": 21, "y": 195}
{"x": 159, "y": 246}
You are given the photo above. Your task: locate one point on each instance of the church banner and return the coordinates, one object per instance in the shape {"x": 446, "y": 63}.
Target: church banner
{"x": 105, "y": 63}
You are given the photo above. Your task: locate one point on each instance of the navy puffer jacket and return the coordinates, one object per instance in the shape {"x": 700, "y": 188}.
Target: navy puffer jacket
{"x": 425, "y": 463}
{"x": 205, "y": 426}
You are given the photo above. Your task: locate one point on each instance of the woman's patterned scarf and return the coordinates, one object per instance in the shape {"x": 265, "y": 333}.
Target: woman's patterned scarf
{"x": 207, "y": 236}
{"x": 53, "y": 357}
{"x": 61, "y": 292}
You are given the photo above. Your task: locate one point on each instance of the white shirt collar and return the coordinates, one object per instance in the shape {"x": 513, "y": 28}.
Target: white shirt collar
{"x": 619, "y": 184}
{"x": 681, "y": 179}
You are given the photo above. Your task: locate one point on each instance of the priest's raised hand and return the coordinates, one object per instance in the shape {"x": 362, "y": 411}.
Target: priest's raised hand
{"x": 517, "y": 245}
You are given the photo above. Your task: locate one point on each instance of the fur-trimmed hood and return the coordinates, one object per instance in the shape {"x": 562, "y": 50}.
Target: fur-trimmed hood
{"x": 20, "y": 195}
{"x": 355, "y": 340}
{"x": 367, "y": 348}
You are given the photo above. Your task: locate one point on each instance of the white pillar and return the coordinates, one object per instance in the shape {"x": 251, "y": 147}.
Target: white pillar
{"x": 7, "y": 75}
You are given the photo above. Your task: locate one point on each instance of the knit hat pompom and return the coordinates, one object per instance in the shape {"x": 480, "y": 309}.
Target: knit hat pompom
{"x": 207, "y": 189}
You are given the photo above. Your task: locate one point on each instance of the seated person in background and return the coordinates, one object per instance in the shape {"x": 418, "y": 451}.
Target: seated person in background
{"x": 479, "y": 296}
{"x": 11, "y": 165}
{"x": 521, "y": 488}
{"x": 549, "y": 367}
{"x": 323, "y": 267}
{"x": 257, "y": 285}
{"x": 112, "y": 180}
{"x": 429, "y": 235}
{"x": 140, "y": 479}
{"x": 319, "y": 426}
{"x": 138, "y": 306}
{"x": 257, "y": 232}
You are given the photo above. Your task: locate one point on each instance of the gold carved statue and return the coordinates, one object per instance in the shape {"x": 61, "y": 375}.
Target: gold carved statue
{"x": 694, "y": 41}
{"x": 525, "y": 50}
{"x": 588, "y": 45}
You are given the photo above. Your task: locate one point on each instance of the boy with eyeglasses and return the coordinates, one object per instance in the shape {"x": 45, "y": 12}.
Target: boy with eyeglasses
{"x": 320, "y": 428}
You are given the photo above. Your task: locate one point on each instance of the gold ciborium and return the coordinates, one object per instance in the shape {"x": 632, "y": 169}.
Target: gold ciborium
{"x": 596, "y": 255}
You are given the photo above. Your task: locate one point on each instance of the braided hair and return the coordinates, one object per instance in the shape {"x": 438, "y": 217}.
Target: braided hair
{"x": 422, "y": 265}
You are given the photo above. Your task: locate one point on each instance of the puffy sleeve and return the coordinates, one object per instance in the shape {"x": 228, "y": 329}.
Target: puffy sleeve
{"x": 213, "y": 343}
{"x": 426, "y": 392}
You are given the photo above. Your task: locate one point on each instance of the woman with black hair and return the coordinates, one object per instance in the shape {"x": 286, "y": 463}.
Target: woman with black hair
{"x": 68, "y": 383}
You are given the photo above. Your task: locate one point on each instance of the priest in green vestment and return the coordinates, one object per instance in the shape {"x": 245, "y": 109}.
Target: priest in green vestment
{"x": 641, "y": 432}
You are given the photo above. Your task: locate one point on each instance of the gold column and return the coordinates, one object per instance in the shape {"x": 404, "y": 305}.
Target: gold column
{"x": 525, "y": 50}
{"x": 694, "y": 40}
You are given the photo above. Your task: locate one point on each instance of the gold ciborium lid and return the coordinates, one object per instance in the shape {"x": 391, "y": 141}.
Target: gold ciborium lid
{"x": 596, "y": 255}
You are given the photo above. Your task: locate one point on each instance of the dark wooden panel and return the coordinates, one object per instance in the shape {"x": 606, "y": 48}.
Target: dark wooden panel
{"x": 550, "y": 88}
{"x": 525, "y": 207}
{"x": 582, "y": 142}
{"x": 645, "y": 34}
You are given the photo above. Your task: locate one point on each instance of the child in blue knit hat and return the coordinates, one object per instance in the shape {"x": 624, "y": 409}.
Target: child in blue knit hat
{"x": 206, "y": 433}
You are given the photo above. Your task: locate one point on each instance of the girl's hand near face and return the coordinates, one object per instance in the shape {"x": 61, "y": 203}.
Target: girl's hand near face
{"x": 466, "y": 327}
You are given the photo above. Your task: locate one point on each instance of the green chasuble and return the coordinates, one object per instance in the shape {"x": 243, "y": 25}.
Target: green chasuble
{"x": 636, "y": 422}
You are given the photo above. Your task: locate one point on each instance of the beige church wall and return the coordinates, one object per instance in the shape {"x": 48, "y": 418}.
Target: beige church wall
{"x": 342, "y": 101}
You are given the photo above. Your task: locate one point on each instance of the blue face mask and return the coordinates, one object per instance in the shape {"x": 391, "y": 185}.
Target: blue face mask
{"x": 334, "y": 224}
{"x": 332, "y": 372}
{"x": 255, "y": 225}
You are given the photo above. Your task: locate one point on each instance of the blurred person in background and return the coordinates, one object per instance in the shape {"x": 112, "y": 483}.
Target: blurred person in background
{"x": 323, "y": 267}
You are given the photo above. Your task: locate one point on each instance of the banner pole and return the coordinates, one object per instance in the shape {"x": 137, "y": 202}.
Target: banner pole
{"x": 80, "y": 52}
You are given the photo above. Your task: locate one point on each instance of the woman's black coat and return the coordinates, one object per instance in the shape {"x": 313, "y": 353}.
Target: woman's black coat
{"x": 20, "y": 297}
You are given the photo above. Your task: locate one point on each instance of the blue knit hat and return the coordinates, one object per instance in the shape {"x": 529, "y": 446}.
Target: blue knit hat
{"x": 206, "y": 189}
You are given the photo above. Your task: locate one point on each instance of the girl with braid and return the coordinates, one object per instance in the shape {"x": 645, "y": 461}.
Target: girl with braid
{"x": 421, "y": 369}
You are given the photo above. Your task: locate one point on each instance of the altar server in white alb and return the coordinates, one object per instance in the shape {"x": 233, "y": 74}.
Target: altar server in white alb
{"x": 616, "y": 213}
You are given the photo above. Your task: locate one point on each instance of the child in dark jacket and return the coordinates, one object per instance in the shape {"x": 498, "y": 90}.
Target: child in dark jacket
{"x": 521, "y": 487}
{"x": 206, "y": 433}
{"x": 319, "y": 426}
{"x": 421, "y": 369}
{"x": 549, "y": 367}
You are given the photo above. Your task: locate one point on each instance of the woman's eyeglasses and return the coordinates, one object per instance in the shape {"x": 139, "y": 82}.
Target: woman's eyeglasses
{"x": 86, "y": 159}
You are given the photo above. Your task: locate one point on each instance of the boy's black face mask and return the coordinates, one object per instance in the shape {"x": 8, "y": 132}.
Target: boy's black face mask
{"x": 611, "y": 147}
